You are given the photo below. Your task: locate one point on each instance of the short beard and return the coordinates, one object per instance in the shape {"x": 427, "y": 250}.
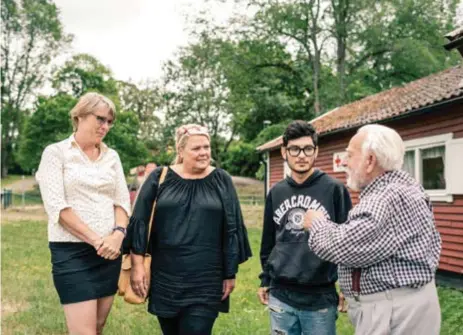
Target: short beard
{"x": 293, "y": 170}
{"x": 354, "y": 184}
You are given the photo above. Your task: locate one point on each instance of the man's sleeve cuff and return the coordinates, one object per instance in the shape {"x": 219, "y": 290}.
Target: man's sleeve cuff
{"x": 318, "y": 223}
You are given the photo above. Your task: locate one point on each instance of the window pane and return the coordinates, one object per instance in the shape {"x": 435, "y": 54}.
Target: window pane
{"x": 286, "y": 170}
{"x": 433, "y": 167}
{"x": 409, "y": 162}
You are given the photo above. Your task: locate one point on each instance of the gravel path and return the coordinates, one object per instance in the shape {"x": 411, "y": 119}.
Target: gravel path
{"x": 26, "y": 184}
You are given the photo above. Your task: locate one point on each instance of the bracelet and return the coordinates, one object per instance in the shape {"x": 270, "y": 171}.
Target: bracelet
{"x": 121, "y": 229}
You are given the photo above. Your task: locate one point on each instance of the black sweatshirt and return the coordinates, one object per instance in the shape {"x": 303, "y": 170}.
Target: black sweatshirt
{"x": 291, "y": 270}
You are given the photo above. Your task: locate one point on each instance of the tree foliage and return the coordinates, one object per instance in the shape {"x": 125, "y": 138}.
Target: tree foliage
{"x": 84, "y": 73}
{"x": 123, "y": 138}
{"x": 51, "y": 123}
{"x": 48, "y": 124}
{"x": 143, "y": 100}
{"x": 283, "y": 60}
{"x": 32, "y": 35}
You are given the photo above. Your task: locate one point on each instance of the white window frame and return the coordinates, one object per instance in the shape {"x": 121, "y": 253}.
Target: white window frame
{"x": 425, "y": 143}
{"x": 267, "y": 158}
{"x": 286, "y": 170}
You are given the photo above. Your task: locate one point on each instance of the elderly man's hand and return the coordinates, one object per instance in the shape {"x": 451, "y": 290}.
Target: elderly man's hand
{"x": 310, "y": 216}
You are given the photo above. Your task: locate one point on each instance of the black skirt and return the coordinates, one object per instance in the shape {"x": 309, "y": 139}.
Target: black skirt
{"x": 79, "y": 274}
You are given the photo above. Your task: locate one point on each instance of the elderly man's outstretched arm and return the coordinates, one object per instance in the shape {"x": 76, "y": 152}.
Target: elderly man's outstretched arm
{"x": 366, "y": 238}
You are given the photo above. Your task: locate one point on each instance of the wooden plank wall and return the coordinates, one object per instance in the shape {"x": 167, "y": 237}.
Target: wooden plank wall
{"x": 449, "y": 216}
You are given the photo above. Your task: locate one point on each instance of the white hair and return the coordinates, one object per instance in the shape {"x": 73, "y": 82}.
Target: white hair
{"x": 386, "y": 144}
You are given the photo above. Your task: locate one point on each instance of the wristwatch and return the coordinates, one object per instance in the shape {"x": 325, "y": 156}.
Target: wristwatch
{"x": 121, "y": 229}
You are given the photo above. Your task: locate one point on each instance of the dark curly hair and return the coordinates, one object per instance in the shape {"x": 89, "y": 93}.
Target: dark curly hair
{"x": 298, "y": 129}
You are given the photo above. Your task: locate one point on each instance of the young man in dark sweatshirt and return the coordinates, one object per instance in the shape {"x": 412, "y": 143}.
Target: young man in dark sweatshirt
{"x": 299, "y": 287}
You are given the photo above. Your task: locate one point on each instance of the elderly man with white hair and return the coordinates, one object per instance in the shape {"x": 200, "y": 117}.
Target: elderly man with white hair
{"x": 388, "y": 249}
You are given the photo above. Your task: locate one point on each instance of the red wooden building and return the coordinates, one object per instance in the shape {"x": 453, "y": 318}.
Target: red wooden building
{"x": 428, "y": 114}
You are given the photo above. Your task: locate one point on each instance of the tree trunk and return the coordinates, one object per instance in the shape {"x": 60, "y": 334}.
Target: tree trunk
{"x": 4, "y": 164}
{"x": 316, "y": 105}
{"x": 342, "y": 12}
{"x": 314, "y": 27}
{"x": 316, "y": 81}
{"x": 341, "y": 69}
{"x": 4, "y": 131}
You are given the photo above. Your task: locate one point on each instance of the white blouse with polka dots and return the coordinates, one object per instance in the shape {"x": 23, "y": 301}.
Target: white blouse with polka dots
{"x": 68, "y": 178}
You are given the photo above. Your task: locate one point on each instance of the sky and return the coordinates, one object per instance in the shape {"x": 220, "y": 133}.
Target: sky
{"x": 135, "y": 37}
{"x": 132, "y": 37}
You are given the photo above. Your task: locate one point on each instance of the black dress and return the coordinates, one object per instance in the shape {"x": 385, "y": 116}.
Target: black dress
{"x": 192, "y": 245}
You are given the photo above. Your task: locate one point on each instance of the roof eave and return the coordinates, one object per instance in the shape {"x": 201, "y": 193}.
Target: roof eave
{"x": 418, "y": 111}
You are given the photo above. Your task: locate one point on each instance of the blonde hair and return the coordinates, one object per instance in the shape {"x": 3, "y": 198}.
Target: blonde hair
{"x": 89, "y": 103}
{"x": 183, "y": 133}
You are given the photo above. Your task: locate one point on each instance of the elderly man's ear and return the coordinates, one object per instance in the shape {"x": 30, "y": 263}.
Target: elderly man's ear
{"x": 372, "y": 162}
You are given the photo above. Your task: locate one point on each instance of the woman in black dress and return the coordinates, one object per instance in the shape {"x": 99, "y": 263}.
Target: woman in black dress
{"x": 197, "y": 241}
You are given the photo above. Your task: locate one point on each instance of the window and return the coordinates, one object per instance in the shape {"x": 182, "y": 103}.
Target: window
{"x": 286, "y": 170}
{"x": 432, "y": 168}
{"x": 426, "y": 159}
{"x": 409, "y": 162}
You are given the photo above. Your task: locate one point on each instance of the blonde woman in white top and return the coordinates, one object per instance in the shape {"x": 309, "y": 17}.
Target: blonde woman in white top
{"x": 87, "y": 201}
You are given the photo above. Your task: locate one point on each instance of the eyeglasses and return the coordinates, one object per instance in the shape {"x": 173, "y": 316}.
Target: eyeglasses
{"x": 102, "y": 120}
{"x": 295, "y": 151}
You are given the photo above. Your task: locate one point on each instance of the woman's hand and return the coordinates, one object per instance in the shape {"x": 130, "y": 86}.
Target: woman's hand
{"x": 342, "y": 306}
{"x": 138, "y": 280}
{"x": 97, "y": 243}
{"x": 228, "y": 286}
{"x": 111, "y": 247}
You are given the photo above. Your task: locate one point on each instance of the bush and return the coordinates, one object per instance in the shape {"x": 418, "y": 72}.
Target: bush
{"x": 241, "y": 159}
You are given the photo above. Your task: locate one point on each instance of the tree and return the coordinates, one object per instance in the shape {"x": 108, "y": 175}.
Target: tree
{"x": 344, "y": 14}
{"x": 51, "y": 123}
{"x": 48, "y": 124}
{"x": 372, "y": 45}
{"x": 241, "y": 159}
{"x": 458, "y": 20}
{"x": 300, "y": 24}
{"x": 32, "y": 35}
{"x": 143, "y": 99}
{"x": 83, "y": 73}
{"x": 197, "y": 93}
{"x": 264, "y": 84}
{"x": 123, "y": 138}
{"x": 271, "y": 132}
{"x": 397, "y": 41}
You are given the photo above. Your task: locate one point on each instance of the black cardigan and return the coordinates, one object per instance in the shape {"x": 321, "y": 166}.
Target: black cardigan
{"x": 236, "y": 244}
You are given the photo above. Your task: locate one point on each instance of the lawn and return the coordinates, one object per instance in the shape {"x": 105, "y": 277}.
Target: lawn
{"x": 10, "y": 180}
{"x": 30, "y": 304}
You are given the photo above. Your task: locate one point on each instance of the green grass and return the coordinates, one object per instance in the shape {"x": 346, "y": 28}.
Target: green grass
{"x": 251, "y": 194}
{"x": 31, "y": 305}
{"x": 451, "y": 303}
{"x": 250, "y": 190}
{"x": 10, "y": 180}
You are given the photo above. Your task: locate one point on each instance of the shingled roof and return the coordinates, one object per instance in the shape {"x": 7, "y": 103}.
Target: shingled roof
{"x": 388, "y": 104}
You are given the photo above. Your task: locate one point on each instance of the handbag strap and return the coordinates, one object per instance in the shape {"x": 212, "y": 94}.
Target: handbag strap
{"x": 161, "y": 180}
